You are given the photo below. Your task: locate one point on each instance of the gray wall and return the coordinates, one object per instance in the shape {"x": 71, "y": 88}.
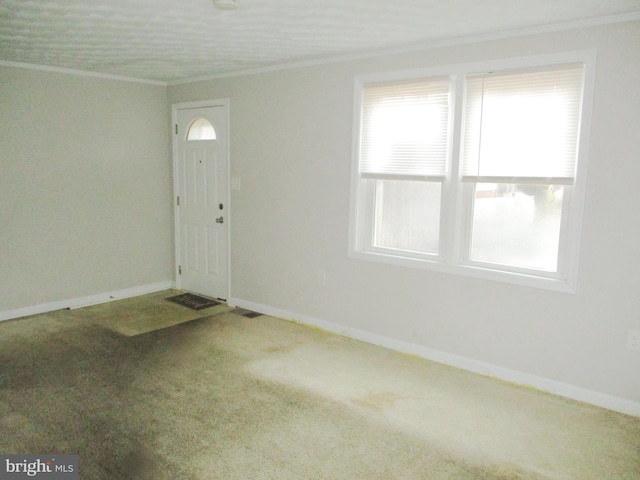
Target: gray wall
{"x": 291, "y": 145}
{"x": 85, "y": 186}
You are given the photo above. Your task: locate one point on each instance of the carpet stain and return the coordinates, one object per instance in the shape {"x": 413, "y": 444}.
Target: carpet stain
{"x": 377, "y": 400}
{"x": 275, "y": 349}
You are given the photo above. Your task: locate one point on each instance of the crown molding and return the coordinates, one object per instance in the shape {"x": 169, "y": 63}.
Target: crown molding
{"x": 81, "y": 73}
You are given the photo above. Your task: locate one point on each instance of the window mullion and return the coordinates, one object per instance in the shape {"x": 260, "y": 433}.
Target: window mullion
{"x": 450, "y": 238}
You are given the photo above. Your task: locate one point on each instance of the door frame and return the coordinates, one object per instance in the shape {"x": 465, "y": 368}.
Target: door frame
{"x": 222, "y": 102}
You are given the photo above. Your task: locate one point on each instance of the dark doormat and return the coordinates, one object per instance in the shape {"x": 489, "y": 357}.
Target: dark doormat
{"x": 194, "y": 302}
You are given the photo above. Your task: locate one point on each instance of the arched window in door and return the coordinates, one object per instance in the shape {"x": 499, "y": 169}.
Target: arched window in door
{"x": 201, "y": 129}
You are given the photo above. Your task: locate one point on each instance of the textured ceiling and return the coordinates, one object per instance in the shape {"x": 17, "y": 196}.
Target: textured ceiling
{"x": 172, "y": 40}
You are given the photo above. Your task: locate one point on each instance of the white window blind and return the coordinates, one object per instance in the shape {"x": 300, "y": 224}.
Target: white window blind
{"x": 523, "y": 125}
{"x": 405, "y": 128}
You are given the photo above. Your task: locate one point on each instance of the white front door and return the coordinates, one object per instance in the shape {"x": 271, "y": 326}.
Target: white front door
{"x": 202, "y": 204}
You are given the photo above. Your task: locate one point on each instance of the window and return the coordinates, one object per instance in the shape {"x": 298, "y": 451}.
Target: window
{"x": 404, "y": 150}
{"x": 201, "y": 129}
{"x": 477, "y": 173}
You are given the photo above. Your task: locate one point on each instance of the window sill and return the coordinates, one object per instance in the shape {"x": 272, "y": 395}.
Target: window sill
{"x": 471, "y": 271}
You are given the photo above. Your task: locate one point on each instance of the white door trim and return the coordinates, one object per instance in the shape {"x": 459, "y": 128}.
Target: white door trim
{"x": 176, "y": 187}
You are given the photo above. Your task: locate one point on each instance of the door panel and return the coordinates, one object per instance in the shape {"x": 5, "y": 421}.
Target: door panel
{"x": 213, "y": 251}
{"x": 202, "y": 213}
{"x": 191, "y": 242}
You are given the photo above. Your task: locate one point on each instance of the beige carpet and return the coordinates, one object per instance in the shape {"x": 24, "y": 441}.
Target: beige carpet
{"x": 144, "y": 314}
{"x": 221, "y": 396}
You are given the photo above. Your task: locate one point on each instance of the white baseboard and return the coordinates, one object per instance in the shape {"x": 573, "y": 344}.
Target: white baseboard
{"x": 573, "y": 392}
{"x": 87, "y": 301}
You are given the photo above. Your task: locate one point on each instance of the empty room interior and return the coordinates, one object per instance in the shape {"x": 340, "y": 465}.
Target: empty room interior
{"x": 414, "y": 221}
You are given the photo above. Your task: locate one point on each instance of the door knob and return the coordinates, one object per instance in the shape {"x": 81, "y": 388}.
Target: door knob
{"x": 220, "y": 220}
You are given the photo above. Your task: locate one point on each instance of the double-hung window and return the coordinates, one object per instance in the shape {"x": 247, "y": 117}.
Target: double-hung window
{"x": 403, "y": 162}
{"x": 473, "y": 172}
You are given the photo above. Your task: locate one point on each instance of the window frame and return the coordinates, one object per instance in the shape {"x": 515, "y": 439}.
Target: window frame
{"x": 455, "y": 217}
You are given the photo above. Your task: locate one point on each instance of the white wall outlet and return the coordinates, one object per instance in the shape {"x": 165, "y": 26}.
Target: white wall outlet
{"x": 633, "y": 340}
